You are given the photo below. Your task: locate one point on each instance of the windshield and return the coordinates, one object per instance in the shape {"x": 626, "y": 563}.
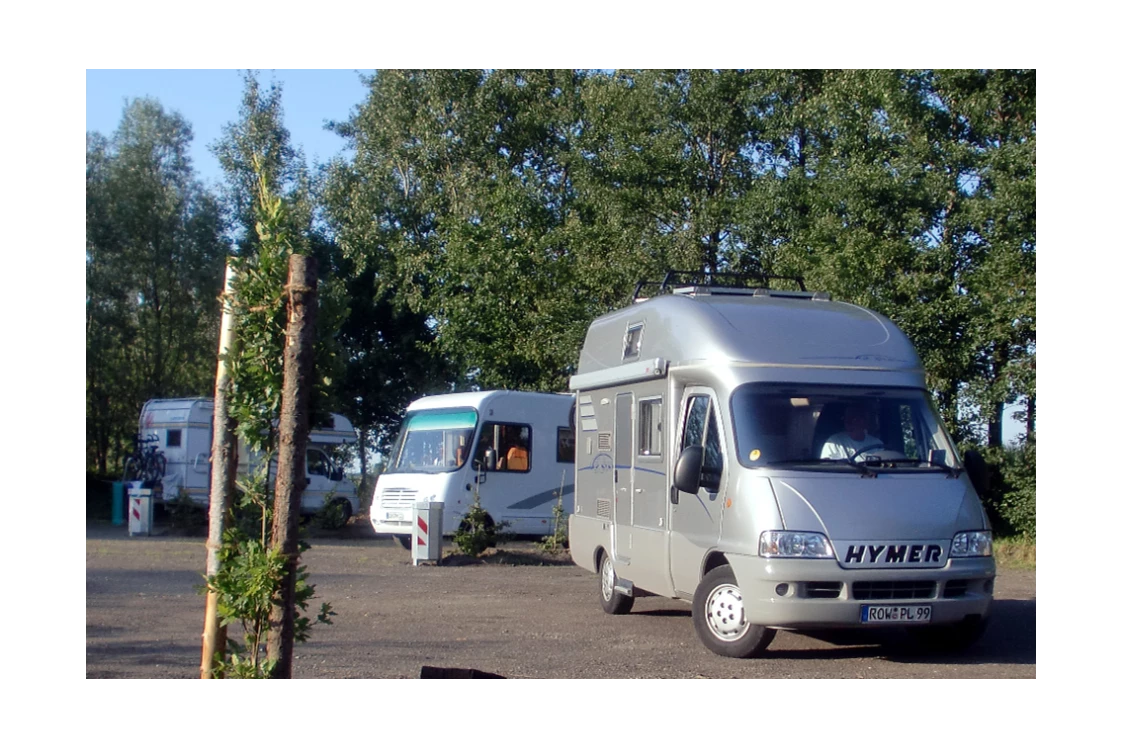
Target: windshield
{"x": 802, "y": 426}
{"x": 433, "y": 441}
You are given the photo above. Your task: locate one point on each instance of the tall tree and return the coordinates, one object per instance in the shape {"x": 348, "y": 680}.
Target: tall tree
{"x": 154, "y": 262}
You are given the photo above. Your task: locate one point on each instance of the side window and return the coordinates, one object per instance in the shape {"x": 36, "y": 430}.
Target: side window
{"x": 701, "y": 430}
{"x": 712, "y": 463}
{"x": 633, "y": 339}
{"x": 316, "y": 463}
{"x": 695, "y": 430}
{"x": 511, "y": 444}
{"x": 651, "y": 427}
{"x": 174, "y": 436}
{"x": 566, "y": 444}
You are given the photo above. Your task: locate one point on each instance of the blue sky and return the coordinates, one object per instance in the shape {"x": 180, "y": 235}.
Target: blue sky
{"x": 209, "y": 99}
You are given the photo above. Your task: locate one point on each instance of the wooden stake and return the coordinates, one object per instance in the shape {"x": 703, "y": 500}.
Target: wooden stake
{"x": 224, "y": 468}
{"x": 293, "y": 440}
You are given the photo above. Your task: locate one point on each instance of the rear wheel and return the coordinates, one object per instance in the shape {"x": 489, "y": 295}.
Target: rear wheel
{"x": 344, "y": 510}
{"x": 719, "y": 617}
{"x": 157, "y": 467}
{"x": 405, "y": 541}
{"x": 612, "y": 601}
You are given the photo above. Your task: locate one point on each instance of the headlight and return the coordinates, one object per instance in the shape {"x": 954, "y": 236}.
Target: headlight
{"x": 975, "y": 543}
{"x": 784, "y": 544}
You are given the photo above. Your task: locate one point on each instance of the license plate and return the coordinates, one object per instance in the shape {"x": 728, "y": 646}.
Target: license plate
{"x": 393, "y": 515}
{"x": 896, "y": 613}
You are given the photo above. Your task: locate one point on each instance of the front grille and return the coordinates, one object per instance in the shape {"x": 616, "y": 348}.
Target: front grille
{"x": 955, "y": 588}
{"x": 828, "y": 590}
{"x": 901, "y": 590}
{"x": 408, "y": 494}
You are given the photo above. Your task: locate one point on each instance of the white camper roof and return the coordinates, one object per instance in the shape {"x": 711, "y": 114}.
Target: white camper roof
{"x": 339, "y": 432}
{"x": 478, "y": 400}
{"x": 199, "y": 411}
{"x": 177, "y": 413}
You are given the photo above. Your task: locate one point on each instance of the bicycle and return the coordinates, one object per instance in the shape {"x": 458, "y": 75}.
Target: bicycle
{"x": 146, "y": 463}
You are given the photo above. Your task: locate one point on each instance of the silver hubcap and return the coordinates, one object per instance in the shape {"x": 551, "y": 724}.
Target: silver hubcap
{"x": 607, "y": 579}
{"x": 725, "y": 613}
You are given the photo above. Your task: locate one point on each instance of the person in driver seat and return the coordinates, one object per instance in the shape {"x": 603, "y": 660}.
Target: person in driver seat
{"x": 853, "y": 439}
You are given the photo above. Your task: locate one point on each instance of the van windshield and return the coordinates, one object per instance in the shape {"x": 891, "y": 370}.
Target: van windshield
{"x": 433, "y": 441}
{"x": 802, "y": 426}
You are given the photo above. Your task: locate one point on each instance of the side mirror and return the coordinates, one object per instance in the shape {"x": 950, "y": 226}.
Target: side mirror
{"x": 977, "y": 471}
{"x": 489, "y": 459}
{"x": 688, "y": 470}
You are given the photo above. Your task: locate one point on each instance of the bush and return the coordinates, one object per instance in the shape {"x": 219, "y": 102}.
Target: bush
{"x": 1011, "y": 501}
{"x": 559, "y": 540}
{"x": 184, "y": 514}
{"x": 477, "y": 532}
{"x": 330, "y": 516}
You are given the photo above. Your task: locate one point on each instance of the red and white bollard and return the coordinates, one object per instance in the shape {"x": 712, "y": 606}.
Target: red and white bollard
{"x": 139, "y": 508}
{"x": 428, "y": 521}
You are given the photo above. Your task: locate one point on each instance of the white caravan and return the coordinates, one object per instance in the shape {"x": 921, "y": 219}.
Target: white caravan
{"x": 181, "y": 430}
{"x": 515, "y": 448}
{"x": 775, "y": 458}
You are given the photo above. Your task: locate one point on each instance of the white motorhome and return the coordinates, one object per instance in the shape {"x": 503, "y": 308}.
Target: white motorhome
{"x": 514, "y": 448}
{"x": 181, "y": 430}
{"x": 720, "y": 461}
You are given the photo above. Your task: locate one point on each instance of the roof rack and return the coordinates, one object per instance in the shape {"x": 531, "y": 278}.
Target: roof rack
{"x": 703, "y": 282}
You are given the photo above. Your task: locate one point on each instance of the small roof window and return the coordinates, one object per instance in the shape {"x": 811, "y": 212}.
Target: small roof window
{"x": 633, "y": 339}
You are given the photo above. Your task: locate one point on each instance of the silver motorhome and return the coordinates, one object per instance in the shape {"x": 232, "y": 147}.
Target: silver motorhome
{"x": 719, "y": 461}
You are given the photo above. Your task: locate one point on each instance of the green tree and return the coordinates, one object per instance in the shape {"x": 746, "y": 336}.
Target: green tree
{"x": 154, "y": 262}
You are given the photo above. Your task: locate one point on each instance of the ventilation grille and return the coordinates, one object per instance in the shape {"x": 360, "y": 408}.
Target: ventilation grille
{"x": 604, "y": 441}
{"x": 604, "y": 509}
{"x": 829, "y": 590}
{"x": 901, "y": 590}
{"x": 955, "y": 588}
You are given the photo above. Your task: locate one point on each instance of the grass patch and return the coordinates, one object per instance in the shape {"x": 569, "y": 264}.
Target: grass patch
{"x": 1016, "y": 553}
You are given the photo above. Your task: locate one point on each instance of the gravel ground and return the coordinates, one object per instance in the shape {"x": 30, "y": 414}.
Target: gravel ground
{"x": 505, "y": 616}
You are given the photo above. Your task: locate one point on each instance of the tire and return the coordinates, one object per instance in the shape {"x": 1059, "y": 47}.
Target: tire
{"x": 159, "y": 467}
{"x": 405, "y": 541}
{"x": 613, "y": 602}
{"x": 344, "y": 509}
{"x": 957, "y": 637}
{"x": 719, "y": 617}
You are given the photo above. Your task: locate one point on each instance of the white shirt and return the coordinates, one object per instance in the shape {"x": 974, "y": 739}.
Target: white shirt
{"x": 842, "y": 447}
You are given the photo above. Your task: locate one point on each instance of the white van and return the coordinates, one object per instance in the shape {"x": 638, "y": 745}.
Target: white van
{"x": 514, "y": 448}
{"x": 775, "y": 458}
{"x": 181, "y": 430}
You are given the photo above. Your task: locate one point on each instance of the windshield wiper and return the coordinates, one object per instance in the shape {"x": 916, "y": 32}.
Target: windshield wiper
{"x": 825, "y": 461}
{"x": 953, "y": 472}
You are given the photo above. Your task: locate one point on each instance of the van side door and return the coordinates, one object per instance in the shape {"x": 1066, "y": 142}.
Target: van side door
{"x": 623, "y": 478}
{"x": 695, "y": 518}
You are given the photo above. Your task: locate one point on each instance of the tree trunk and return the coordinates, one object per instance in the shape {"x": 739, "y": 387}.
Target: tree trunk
{"x": 1031, "y": 417}
{"x": 295, "y": 397}
{"x": 362, "y": 462}
{"x": 994, "y": 422}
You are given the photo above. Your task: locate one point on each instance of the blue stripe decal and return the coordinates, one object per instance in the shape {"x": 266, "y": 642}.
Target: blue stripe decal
{"x": 539, "y": 499}
{"x": 625, "y": 467}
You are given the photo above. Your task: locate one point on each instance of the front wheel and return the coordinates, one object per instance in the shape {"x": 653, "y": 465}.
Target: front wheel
{"x": 344, "y": 511}
{"x": 719, "y": 617}
{"x": 613, "y": 602}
